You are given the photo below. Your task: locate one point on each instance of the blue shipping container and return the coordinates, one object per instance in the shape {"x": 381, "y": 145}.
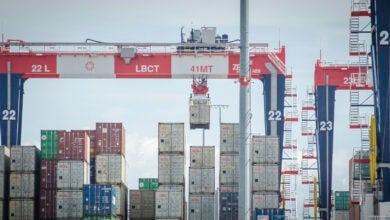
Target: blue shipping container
{"x": 228, "y": 206}
{"x": 92, "y": 171}
{"x": 268, "y": 214}
{"x": 99, "y": 200}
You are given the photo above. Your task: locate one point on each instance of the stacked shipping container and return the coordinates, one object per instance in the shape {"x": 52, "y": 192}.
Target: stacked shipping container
{"x": 171, "y": 162}
{"x": 143, "y": 200}
{"x": 23, "y": 182}
{"x": 201, "y": 182}
{"x": 4, "y": 180}
{"x": 341, "y": 205}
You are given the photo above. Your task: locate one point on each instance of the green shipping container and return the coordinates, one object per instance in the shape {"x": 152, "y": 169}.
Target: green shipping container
{"x": 99, "y": 218}
{"x": 49, "y": 144}
{"x": 342, "y": 200}
{"x": 148, "y": 183}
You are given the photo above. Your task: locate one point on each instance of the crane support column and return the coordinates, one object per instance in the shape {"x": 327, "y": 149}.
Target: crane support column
{"x": 11, "y": 112}
{"x": 325, "y": 100}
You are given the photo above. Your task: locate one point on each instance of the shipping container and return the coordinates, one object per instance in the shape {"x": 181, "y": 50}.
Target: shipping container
{"x": 73, "y": 145}
{"x": 354, "y": 212}
{"x": 229, "y": 169}
{"x": 4, "y": 185}
{"x": 384, "y": 209}
{"x": 265, "y": 177}
{"x": 3, "y": 209}
{"x": 110, "y": 138}
{"x": 199, "y": 111}
{"x": 230, "y": 138}
{"x": 202, "y": 180}
{"x": 142, "y": 204}
{"x": 228, "y": 206}
{"x": 228, "y": 188}
{"x": 121, "y": 200}
{"x": 99, "y": 200}
{"x": 92, "y": 142}
{"x": 148, "y": 183}
{"x": 101, "y": 218}
{"x": 265, "y": 149}
{"x": 22, "y": 209}
{"x": 171, "y": 188}
{"x": 92, "y": 171}
{"x": 47, "y": 204}
{"x": 48, "y": 175}
{"x": 72, "y": 174}
{"x": 169, "y": 204}
{"x": 111, "y": 169}
{"x": 171, "y": 169}
{"x": 49, "y": 144}
{"x": 69, "y": 204}
{"x": 265, "y": 200}
{"x": 24, "y": 158}
{"x": 269, "y": 214}
{"x": 341, "y": 215}
{"x": 341, "y": 200}
{"x": 171, "y": 137}
{"x": 367, "y": 206}
{"x": 23, "y": 185}
{"x": 201, "y": 207}
{"x": 202, "y": 157}
{"x": 4, "y": 159}
{"x": 361, "y": 171}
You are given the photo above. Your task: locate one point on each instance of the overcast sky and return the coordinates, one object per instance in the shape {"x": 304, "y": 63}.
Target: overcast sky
{"x": 304, "y": 26}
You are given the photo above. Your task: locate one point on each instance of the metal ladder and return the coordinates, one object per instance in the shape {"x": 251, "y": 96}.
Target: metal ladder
{"x": 354, "y": 117}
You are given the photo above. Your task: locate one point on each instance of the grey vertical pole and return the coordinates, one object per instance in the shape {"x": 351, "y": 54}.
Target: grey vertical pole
{"x": 244, "y": 182}
{"x": 9, "y": 103}
{"x": 327, "y": 148}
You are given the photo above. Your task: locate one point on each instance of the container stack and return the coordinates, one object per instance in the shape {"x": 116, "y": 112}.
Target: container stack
{"x": 99, "y": 201}
{"x": 265, "y": 172}
{"x": 143, "y": 200}
{"x": 171, "y": 163}
{"x": 23, "y": 187}
{"x": 72, "y": 173}
{"x": 201, "y": 182}
{"x": 111, "y": 165}
{"x": 229, "y": 170}
{"x": 341, "y": 204}
{"x": 4, "y": 181}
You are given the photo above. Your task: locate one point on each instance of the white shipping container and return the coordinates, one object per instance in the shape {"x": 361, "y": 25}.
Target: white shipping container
{"x": 21, "y": 209}
{"x": 4, "y": 158}
{"x": 169, "y": 204}
{"x": 265, "y": 200}
{"x": 201, "y": 207}
{"x": 367, "y": 206}
{"x": 22, "y": 185}
{"x": 265, "y": 177}
{"x": 229, "y": 169}
{"x": 199, "y": 111}
{"x": 384, "y": 210}
{"x": 111, "y": 169}
{"x": 69, "y": 203}
{"x": 341, "y": 215}
{"x": 24, "y": 158}
{"x": 265, "y": 149}
{"x": 120, "y": 199}
{"x": 171, "y": 169}
{"x": 202, "y": 180}
{"x": 230, "y": 138}
{"x": 171, "y": 188}
{"x": 171, "y": 137}
{"x": 202, "y": 157}
{"x": 72, "y": 174}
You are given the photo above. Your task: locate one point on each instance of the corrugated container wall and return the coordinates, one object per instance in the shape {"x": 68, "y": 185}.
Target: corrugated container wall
{"x": 121, "y": 200}
{"x": 69, "y": 204}
{"x": 99, "y": 200}
{"x": 265, "y": 149}
{"x": 24, "y": 158}
{"x": 354, "y": 212}
{"x": 228, "y": 206}
{"x": 73, "y": 145}
{"x": 367, "y": 206}
{"x": 23, "y": 185}
{"x": 47, "y": 204}
{"x": 341, "y": 215}
{"x": 148, "y": 183}
{"x": 229, "y": 169}
{"x": 201, "y": 207}
{"x": 269, "y": 214}
{"x": 199, "y": 111}
{"x": 169, "y": 204}
{"x": 101, "y": 218}
{"x": 92, "y": 141}
{"x": 384, "y": 209}
{"x": 142, "y": 204}
{"x": 265, "y": 200}
{"x": 341, "y": 200}
{"x": 48, "y": 175}
{"x": 110, "y": 138}
{"x": 171, "y": 137}
{"x": 92, "y": 171}
{"x": 202, "y": 157}
{"x": 3, "y": 211}
{"x": 111, "y": 169}
{"x": 265, "y": 177}
{"x": 171, "y": 168}
{"x": 4, "y": 159}
{"x": 230, "y": 138}
{"x": 202, "y": 180}
{"x": 72, "y": 174}
{"x": 49, "y": 144}
{"x": 228, "y": 188}
{"x": 22, "y": 209}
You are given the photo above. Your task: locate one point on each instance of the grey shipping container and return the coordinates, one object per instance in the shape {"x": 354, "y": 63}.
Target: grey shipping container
{"x": 23, "y": 185}
{"x": 121, "y": 199}
{"x": 202, "y": 180}
{"x": 265, "y": 149}
{"x": 199, "y": 111}
{"x": 4, "y": 181}
{"x": 72, "y": 174}
{"x": 2, "y": 210}
{"x": 229, "y": 169}
{"x": 111, "y": 169}
{"x": 24, "y": 158}
{"x": 4, "y": 159}
{"x": 265, "y": 177}
{"x": 202, "y": 157}
{"x": 171, "y": 188}
{"x": 228, "y": 188}
{"x": 142, "y": 204}
{"x": 171, "y": 169}
{"x": 171, "y": 137}
{"x": 265, "y": 200}
{"x": 69, "y": 203}
{"x": 22, "y": 209}
{"x": 201, "y": 207}
{"x": 169, "y": 204}
{"x": 230, "y": 138}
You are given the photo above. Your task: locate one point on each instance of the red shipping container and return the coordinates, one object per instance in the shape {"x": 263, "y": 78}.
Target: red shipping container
{"x": 48, "y": 174}
{"x": 73, "y": 145}
{"x": 47, "y": 204}
{"x": 92, "y": 141}
{"x": 110, "y": 138}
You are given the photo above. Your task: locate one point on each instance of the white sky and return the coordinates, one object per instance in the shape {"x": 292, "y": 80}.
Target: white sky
{"x": 304, "y": 26}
